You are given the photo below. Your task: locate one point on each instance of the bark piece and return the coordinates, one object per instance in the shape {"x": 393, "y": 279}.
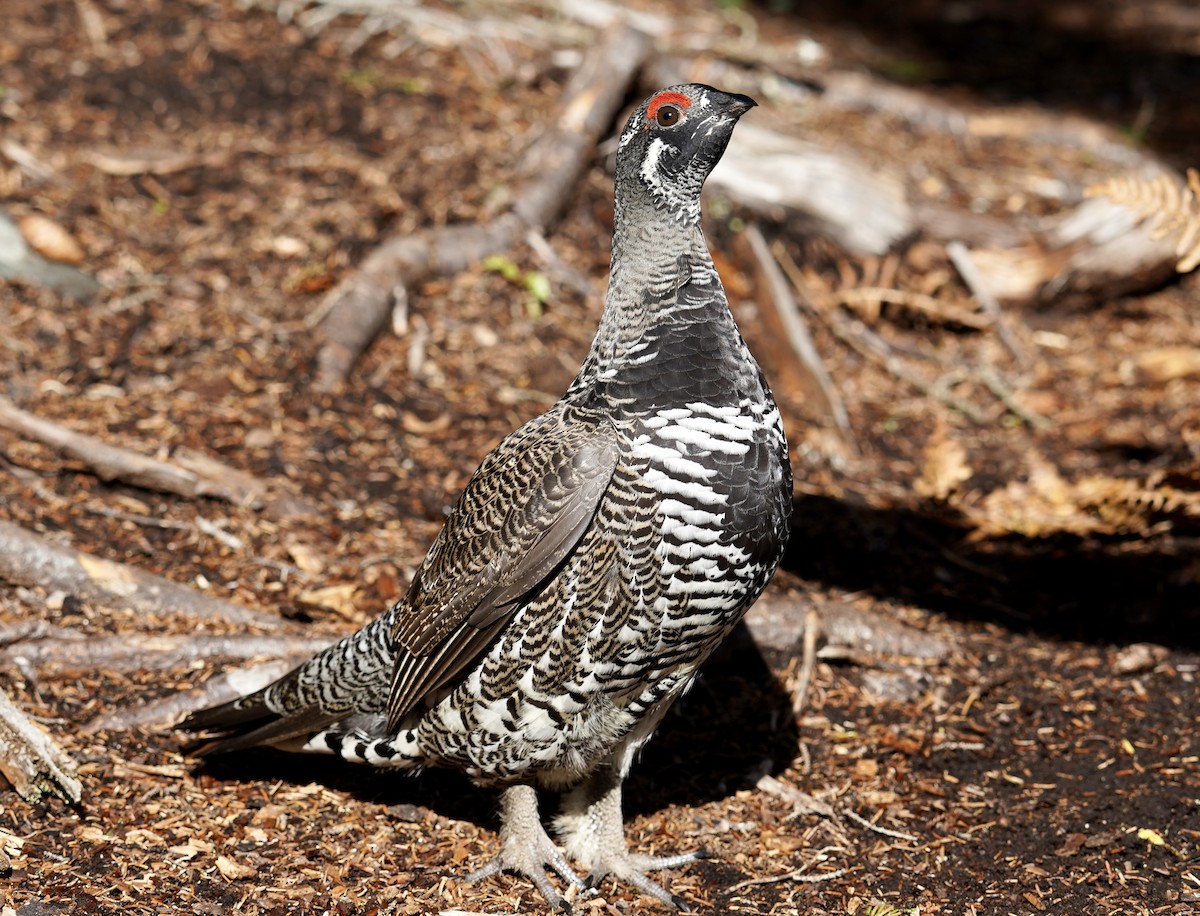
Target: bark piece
{"x": 31, "y": 760}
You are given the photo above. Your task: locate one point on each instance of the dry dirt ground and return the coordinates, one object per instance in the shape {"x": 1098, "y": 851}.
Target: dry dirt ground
{"x": 1042, "y": 765}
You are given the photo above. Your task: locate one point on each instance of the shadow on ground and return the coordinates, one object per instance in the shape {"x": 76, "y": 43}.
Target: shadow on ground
{"x": 1111, "y": 61}
{"x": 1100, "y": 590}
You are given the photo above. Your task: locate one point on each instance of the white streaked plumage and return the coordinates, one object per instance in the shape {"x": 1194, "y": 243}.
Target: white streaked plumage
{"x": 596, "y": 558}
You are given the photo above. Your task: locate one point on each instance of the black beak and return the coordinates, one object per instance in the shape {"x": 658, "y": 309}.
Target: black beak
{"x": 735, "y": 104}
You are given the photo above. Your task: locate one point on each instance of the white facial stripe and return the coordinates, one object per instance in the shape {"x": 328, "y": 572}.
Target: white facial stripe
{"x": 650, "y": 173}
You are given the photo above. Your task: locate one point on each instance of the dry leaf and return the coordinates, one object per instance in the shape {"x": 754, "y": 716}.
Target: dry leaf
{"x": 866, "y": 768}
{"x": 338, "y": 598}
{"x": 1046, "y": 482}
{"x": 1043, "y": 504}
{"x": 93, "y": 834}
{"x": 1166, "y": 363}
{"x": 51, "y": 240}
{"x": 191, "y": 848}
{"x": 945, "y": 468}
{"x": 140, "y": 836}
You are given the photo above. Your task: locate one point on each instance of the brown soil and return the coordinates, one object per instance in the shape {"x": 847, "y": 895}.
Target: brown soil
{"x": 1039, "y": 767}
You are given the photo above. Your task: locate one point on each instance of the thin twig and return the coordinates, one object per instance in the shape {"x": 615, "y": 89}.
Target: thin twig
{"x": 918, "y": 302}
{"x": 875, "y": 828}
{"x": 812, "y": 629}
{"x": 799, "y": 876}
{"x": 875, "y": 348}
{"x": 136, "y": 518}
{"x": 991, "y": 379}
{"x": 960, "y": 257}
{"x": 785, "y": 315}
{"x": 802, "y": 802}
{"x": 557, "y": 267}
{"x": 871, "y": 345}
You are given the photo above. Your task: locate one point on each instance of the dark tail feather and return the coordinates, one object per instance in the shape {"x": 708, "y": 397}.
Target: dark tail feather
{"x": 228, "y": 726}
{"x": 250, "y": 722}
{"x": 347, "y": 679}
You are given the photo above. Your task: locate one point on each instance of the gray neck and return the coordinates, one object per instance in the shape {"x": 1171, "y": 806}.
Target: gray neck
{"x": 654, "y": 257}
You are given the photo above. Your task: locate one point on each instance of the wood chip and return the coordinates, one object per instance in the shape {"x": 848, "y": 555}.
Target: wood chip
{"x": 152, "y": 161}
{"x": 232, "y": 871}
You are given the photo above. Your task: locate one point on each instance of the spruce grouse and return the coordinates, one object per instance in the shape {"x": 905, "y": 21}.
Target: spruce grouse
{"x": 595, "y": 559}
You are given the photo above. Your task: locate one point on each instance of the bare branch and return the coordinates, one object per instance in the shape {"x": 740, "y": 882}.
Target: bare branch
{"x": 193, "y": 474}
{"x": 357, "y": 309}
{"x": 960, "y": 257}
{"x": 220, "y": 688}
{"x": 71, "y": 653}
{"x": 784, "y": 317}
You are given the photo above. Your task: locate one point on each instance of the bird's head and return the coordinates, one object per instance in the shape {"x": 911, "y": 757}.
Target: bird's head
{"x": 671, "y": 143}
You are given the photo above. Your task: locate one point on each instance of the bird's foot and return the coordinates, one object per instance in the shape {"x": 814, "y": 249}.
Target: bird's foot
{"x": 631, "y": 868}
{"x": 526, "y": 848}
{"x": 590, "y": 826}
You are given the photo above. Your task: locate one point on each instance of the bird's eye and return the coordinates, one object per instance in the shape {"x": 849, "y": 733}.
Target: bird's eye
{"x": 667, "y": 115}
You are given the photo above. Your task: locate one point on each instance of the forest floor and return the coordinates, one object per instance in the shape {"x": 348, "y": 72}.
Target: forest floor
{"x": 1047, "y": 761}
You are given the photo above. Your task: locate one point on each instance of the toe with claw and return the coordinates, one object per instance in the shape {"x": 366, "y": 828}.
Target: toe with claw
{"x": 526, "y": 848}
{"x": 592, "y": 830}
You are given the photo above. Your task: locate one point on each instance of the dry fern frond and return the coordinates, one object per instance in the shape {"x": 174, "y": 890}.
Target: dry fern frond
{"x": 1133, "y": 505}
{"x": 1047, "y": 503}
{"x": 1165, "y": 204}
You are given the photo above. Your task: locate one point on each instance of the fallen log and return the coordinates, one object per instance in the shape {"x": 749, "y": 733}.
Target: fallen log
{"x": 31, "y": 560}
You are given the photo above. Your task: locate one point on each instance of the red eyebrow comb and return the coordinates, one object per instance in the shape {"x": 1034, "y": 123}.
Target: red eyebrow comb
{"x": 666, "y": 98}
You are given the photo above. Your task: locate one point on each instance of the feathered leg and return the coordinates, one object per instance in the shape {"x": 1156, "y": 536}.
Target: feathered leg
{"x": 592, "y": 830}
{"x": 525, "y": 847}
